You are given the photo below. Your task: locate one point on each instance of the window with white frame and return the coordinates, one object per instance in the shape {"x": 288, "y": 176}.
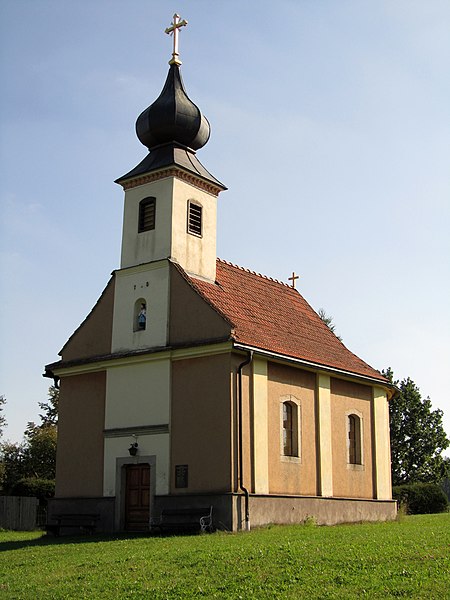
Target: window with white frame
{"x": 290, "y": 427}
{"x": 354, "y": 431}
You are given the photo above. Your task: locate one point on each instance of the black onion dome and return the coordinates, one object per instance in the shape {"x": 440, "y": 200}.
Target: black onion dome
{"x": 173, "y": 117}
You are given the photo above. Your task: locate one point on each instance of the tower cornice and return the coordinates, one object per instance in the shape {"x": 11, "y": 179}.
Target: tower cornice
{"x": 199, "y": 183}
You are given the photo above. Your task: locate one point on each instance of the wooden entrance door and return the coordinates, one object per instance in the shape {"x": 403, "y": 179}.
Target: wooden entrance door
{"x": 137, "y": 497}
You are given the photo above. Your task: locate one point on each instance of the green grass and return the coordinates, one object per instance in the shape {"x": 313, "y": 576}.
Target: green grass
{"x": 409, "y": 558}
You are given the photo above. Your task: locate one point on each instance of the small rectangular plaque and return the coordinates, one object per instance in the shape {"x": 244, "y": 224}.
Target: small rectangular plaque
{"x": 181, "y": 476}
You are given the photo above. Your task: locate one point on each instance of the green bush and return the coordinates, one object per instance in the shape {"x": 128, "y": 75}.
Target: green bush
{"x": 421, "y": 498}
{"x": 33, "y": 486}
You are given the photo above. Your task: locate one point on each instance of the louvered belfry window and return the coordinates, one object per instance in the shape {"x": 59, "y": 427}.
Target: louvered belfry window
{"x": 194, "y": 219}
{"x": 147, "y": 211}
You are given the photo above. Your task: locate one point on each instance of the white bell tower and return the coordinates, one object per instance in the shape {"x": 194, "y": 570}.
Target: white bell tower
{"x": 170, "y": 213}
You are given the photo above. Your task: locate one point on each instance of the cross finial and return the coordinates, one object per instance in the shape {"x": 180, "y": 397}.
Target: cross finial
{"x": 293, "y": 278}
{"x": 173, "y": 30}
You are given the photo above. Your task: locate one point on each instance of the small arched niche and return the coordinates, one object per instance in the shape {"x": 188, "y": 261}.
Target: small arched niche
{"x": 140, "y": 315}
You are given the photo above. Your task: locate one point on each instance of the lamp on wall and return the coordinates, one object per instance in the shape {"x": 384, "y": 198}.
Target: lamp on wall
{"x": 133, "y": 449}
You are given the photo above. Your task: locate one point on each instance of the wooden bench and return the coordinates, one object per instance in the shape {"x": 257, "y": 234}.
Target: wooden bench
{"x": 85, "y": 522}
{"x": 184, "y": 518}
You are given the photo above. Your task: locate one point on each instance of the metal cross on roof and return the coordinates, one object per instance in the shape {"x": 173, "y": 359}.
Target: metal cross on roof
{"x": 293, "y": 278}
{"x": 174, "y": 30}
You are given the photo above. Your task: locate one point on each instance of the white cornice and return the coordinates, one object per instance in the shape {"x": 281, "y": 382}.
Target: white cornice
{"x": 198, "y": 182}
{"x": 113, "y": 362}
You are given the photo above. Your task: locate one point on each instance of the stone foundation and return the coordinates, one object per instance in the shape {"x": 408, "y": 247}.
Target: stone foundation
{"x": 229, "y": 509}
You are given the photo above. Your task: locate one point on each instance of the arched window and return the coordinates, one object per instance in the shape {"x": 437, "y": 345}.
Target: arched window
{"x": 140, "y": 315}
{"x": 147, "y": 213}
{"x": 290, "y": 429}
{"x": 354, "y": 440}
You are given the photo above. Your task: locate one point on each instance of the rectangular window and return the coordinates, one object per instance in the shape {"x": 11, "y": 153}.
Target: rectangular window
{"x": 194, "y": 219}
{"x": 147, "y": 210}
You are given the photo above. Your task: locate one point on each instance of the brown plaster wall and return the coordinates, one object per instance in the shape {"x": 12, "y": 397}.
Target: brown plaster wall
{"x": 292, "y": 477}
{"x": 79, "y": 456}
{"x": 351, "y": 481}
{"x": 200, "y": 423}
{"x": 93, "y": 337}
{"x": 192, "y": 318}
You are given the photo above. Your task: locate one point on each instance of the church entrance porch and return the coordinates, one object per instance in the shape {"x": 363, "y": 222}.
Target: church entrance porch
{"x": 137, "y": 497}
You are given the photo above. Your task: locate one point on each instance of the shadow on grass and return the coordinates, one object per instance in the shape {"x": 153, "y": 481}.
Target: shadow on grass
{"x": 52, "y": 540}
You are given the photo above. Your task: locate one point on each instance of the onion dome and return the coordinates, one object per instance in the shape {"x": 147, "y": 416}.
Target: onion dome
{"x": 173, "y": 118}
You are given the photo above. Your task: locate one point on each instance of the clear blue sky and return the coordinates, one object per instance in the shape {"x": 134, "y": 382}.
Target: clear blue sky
{"x": 330, "y": 127}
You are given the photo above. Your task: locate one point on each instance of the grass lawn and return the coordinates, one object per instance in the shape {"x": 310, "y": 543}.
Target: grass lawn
{"x": 409, "y": 558}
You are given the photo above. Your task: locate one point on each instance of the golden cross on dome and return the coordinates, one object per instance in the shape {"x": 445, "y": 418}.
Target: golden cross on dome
{"x": 174, "y": 30}
{"x": 293, "y": 278}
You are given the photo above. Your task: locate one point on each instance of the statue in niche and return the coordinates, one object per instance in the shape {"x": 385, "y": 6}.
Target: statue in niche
{"x": 142, "y": 316}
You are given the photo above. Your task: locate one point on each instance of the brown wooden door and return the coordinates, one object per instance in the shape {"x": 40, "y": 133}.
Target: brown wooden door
{"x": 137, "y": 497}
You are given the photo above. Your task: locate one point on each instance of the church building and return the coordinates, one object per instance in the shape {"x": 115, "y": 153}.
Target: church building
{"x": 195, "y": 382}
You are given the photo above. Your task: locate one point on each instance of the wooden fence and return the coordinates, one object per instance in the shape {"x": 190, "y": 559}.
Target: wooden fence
{"x": 18, "y": 512}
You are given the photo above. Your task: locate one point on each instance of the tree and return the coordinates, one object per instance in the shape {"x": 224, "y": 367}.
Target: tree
{"x": 328, "y": 320}
{"x": 50, "y": 408}
{"x": 35, "y": 457}
{"x": 417, "y": 436}
{"x": 11, "y": 466}
{"x": 39, "y": 452}
{"x": 2, "y": 417}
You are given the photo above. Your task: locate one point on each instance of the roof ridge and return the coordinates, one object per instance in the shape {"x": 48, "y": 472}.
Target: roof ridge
{"x": 266, "y": 277}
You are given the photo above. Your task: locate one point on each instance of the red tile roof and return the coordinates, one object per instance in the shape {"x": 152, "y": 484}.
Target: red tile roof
{"x": 272, "y": 316}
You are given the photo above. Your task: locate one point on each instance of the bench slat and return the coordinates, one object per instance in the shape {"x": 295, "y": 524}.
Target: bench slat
{"x": 184, "y": 518}
{"x": 86, "y": 521}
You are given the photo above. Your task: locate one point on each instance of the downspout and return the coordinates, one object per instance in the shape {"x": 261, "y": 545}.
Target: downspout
{"x": 246, "y": 362}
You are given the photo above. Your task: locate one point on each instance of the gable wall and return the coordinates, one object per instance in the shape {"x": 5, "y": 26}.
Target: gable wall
{"x": 79, "y": 457}
{"x": 191, "y": 317}
{"x": 93, "y": 338}
{"x": 351, "y": 481}
{"x": 149, "y": 283}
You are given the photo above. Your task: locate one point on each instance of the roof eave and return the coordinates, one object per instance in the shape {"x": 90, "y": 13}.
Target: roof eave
{"x": 316, "y": 366}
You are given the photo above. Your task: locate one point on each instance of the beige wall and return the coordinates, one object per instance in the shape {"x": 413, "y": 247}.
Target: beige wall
{"x": 286, "y": 475}
{"x": 151, "y": 245}
{"x": 156, "y": 446}
{"x": 191, "y": 318}
{"x": 170, "y": 239}
{"x": 196, "y": 255}
{"x": 324, "y": 434}
{"x": 382, "y": 449}
{"x": 149, "y": 282}
{"x": 351, "y": 481}
{"x": 260, "y": 432}
{"x": 79, "y": 460}
{"x": 200, "y": 423}
{"x": 93, "y": 337}
{"x": 138, "y": 394}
